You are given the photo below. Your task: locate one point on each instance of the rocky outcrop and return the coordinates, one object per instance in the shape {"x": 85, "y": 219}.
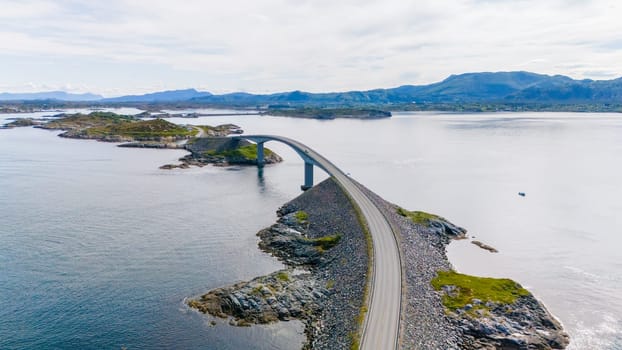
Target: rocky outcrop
{"x": 134, "y": 132}
{"x": 22, "y": 122}
{"x": 222, "y": 151}
{"x": 278, "y": 296}
{"x": 428, "y": 324}
{"x": 319, "y": 238}
{"x": 290, "y": 245}
{"x": 522, "y": 325}
{"x": 485, "y": 246}
{"x": 112, "y": 127}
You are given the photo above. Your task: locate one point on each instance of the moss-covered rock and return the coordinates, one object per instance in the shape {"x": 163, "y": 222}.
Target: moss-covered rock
{"x": 461, "y": 290}
{"x": 225, "y": 151}
{"x": 266, "y": 299}
{"x": 497, "y": 313}
{"x": 435, "y": 223}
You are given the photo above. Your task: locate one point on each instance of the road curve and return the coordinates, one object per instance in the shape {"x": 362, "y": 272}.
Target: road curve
{"x": 200, "y": 131}
{"x": 381, "y": 325}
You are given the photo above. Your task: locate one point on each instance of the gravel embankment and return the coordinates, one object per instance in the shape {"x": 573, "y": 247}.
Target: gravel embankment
{"x": 327, "y": 296}
{"x": 424, "y": 324}
{"x": 326, "y": 277}
{"x": 344, "y": 267}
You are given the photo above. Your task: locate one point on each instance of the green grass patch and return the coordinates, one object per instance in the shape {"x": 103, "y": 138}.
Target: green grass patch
{"x": 496, "y": 290}
{"x": 95, "y": 119}
{"x": 257, "y": 290}
{"x": 325, "y": 243}
{"x": 418, "y": 217}
{"x": 230, "y": 152}
{"x": 301, "y": 216}
{"x": 146, "y": 129}
{"x": 283, "y": 276}
{"x": 328, "y": 242}
{"x": 247, "y": 152}
{"x": 102, "y": 124}
{"x": 355, "y": 341}
{"x": 330, "y": 284}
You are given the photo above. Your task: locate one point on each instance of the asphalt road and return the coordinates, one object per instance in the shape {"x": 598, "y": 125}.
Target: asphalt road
{"x": 381, "y": 325}
{"x": 200, "y": 133}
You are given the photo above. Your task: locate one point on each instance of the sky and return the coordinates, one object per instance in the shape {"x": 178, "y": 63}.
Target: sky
{"x": 118, "y": 47}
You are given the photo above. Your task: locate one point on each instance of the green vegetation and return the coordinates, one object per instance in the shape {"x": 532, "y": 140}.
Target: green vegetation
{"x": 220, "y": 130}
{"x": 325, "y": 243}
{"x": 105, "y": 125}
{"x": 356, "y": 344}
{"x": 301, "y": 216}
{"x": 467, "y": 288}
{"x": 257, "y": 290}
{"x": 330, "y": 284}
{"x": 248, "y": 152}
{"x": 84, "y": 121}
{"x": 419, "y": 217}
{"x": 283, "y": 276}
{"x": 228, "y": 150}
{"x": 142, "y": 129}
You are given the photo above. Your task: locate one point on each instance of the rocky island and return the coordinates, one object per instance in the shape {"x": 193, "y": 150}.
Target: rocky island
{"x": 222, "y": 151}
{"x": 21, "y": 122}
{"x": 111, "y": 127}
{"x": 206, "y": 144}
{"x": 327, "y": 113}
{"x": 322, "y": 241}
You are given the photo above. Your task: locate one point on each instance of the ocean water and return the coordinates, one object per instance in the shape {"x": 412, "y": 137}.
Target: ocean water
{"x": 99, "y": 247}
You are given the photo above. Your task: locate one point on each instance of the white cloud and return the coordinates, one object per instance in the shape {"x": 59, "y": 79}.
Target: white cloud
{"x": 315, "y": 45}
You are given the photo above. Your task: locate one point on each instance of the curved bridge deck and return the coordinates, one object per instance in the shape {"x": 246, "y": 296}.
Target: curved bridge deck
{"x": 381, "y": 325}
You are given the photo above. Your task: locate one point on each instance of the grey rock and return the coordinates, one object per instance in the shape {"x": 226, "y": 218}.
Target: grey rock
{"x": 329, "y": 315}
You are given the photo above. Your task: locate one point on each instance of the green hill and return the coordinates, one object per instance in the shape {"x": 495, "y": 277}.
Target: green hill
{"x": 106, "y": 126}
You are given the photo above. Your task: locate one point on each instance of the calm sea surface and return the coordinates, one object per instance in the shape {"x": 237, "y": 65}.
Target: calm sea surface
{"x": 99, "y": 247}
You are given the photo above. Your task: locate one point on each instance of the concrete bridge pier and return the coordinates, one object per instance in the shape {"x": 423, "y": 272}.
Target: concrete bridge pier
{"x": 303, "y": 152}
{"x": 260, "y": 156}
{"x": 308, "y": 176}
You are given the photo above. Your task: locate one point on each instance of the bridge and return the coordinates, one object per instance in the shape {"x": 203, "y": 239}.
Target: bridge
{"x": 382, "y": 320}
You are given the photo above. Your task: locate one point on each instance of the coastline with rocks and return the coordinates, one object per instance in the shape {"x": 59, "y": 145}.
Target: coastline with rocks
{"x": 324, "y": 249}
{"x": 427, "y": 321}
{"x": 222, "y": 151}
{"x": 325, "y": 288}
{"x": 206, "y": 144}
{"x": 320, "y": 239}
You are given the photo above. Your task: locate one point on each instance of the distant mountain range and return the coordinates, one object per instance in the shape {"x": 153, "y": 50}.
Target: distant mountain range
{"x": 164, "y": 96}
{"x": 499, "y": 87}
{"x": 51, "y": 95}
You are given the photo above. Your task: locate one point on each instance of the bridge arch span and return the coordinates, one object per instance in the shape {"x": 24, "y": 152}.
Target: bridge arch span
{"x": 303, "y": 151}
{"x": 382, "y": 320}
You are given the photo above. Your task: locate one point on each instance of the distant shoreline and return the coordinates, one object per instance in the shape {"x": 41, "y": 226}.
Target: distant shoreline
{"x": 372, "y": 111}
